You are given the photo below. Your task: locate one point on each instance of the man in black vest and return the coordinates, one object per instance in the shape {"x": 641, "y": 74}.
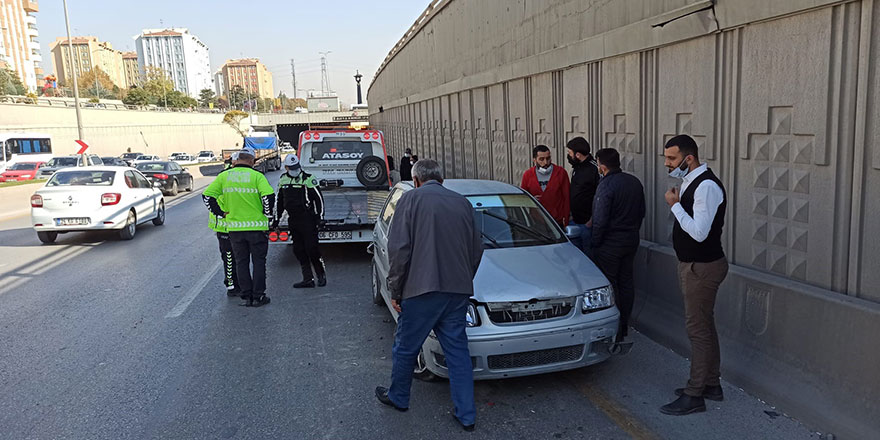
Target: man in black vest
{"x": 584, "y": 180}
{"x": 699, "y": 209}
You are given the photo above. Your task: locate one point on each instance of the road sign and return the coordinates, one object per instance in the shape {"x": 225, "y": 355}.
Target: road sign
{"x": 83, "y": 146}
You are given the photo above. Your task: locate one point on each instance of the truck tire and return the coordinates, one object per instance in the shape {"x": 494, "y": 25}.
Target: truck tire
{"x": 372, "y": 172}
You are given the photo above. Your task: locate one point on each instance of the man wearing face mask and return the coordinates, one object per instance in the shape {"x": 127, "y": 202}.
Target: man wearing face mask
{"x": 549, "y": 184}
{"x": 406, "y": 165}
{"x": 618, "y": 211}
{"x": 699, "y": 209}
{"x": 584, "y": 180}
{"x": 298, "y": 194}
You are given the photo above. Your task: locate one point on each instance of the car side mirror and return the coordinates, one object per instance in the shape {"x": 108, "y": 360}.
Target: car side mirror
{"x": 572, "y": 231}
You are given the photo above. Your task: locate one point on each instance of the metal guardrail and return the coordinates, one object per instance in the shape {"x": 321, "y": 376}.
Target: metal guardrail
{"x": 54, "y": 102}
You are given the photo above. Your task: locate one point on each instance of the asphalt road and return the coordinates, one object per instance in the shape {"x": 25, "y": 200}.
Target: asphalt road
{"x": 105, "y": 339}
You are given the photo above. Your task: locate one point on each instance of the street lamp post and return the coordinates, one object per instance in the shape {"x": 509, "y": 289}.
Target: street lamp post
{"x": 79, "y": 127}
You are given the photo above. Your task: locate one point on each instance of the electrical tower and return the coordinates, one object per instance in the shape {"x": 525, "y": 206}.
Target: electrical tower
{"x": 293, "y": 72}
{"x": 325, "y": 77}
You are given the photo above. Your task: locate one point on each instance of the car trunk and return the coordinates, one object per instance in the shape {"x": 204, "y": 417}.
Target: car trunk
{"x": 72, "y": 199}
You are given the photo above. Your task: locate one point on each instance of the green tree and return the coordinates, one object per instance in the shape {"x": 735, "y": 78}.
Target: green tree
{"x": 237, "y": 96}
{"x": 265, "y": 104}
{"x": 177, "y": 99}
{"x": 157, "y": 84}
{"x": 233, "y": 118}
{"x": 10, "y": 83}
{"x": 207, "y": 97}
{"x": 139, "y": 97}
{"x": 97, "y": 84}
{"x": 222, "y": 102}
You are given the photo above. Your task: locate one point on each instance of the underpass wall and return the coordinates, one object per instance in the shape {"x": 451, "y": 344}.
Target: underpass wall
{"x": 782, "y": 98}
{"x": 111, "y": 132}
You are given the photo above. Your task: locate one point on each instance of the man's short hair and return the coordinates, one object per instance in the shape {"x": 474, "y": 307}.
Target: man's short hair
{"x": 685, "y": 144}
{"x": 426, "y": 170}
{"x": 579, "y": 145}
{"x": 608, "y": 157}
{"x": 540, "y": 149}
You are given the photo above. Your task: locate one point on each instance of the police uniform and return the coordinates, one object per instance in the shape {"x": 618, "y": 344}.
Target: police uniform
{"x": 248, "y": 199}
{"x": 298, "y": 194}
{"x": 218, "y": 225}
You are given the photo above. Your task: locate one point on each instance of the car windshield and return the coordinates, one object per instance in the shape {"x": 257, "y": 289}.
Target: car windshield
{"x": 513, "y": 220}
{"x": 62, "y": 162}
{"x": 82, "y": 178}
{"x": 203, "y": 154}
{"x": 151, "y": 166}
{"x": 341, "y": 150}
{"x": 24, "y": 166}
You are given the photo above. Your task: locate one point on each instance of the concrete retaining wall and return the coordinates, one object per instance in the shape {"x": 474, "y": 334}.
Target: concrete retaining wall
{"x": 111, "y": 132}
{"x": 781, "y": 96}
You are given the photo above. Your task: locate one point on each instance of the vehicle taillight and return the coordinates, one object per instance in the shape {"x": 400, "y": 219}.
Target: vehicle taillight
{"x": 283, "y": 236}
{"x": 36, "y": 201}
{"x": 308, "y": 135}
{"x": 273, "y": 236}
{"x": 315, "y": 136}
{"x": 367, "y": 136}
{"x": 375, "y": 135}
{"x": 108, "y": 199}
{"x": 160, "y": 176}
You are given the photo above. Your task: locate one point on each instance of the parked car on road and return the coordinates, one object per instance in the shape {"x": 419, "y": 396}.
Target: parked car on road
{"x": 206, "y": 156}
{"x": 181, "y": 157}
{"x": 95, "y": 198}
{"x": 21, "y": 171}
{"x": 114, "y": 162}
{"x": 144, "y": 158}
{"x": 169, "y": 176}
{"x": 129, "y": 157}
{"x": 539, "y": 305}
{"x": 56, "y": 163}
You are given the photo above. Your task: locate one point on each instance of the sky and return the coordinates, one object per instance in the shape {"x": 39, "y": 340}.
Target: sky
{"x": 358, "y": 34}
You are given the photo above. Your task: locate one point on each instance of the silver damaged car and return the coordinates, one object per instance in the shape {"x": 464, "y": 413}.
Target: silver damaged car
{"x": 539, "y": 304}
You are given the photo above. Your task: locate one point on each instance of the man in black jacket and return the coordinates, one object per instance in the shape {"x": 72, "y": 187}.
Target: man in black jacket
{"x": 584, "y": 180}
{"x": 298, "y": 194}
{"x": 406, "y": 165}
{"x": 618, "y": 211}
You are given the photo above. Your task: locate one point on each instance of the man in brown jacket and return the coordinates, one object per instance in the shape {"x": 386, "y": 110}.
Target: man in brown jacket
{"x": 434, "y": 250}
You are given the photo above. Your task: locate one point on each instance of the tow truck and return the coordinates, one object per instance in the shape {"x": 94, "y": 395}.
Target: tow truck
{"x": 353, "y": 174}
{"x": 265, "y": 144}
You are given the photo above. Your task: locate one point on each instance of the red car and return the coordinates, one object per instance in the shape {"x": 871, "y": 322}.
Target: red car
{"x": 21, "y": 171}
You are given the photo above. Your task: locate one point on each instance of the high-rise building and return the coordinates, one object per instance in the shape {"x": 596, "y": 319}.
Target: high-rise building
{"x": 219, "y": 82}
{"x": 19, "y": 46}
{"x": 182, "y": 56}
{"x": 88, "y": 53}
{"x": 251, "y": 75}
{"x": 130, "y": 66}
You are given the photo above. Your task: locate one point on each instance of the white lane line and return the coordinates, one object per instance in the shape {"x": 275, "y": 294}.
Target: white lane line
{"x": 187, "y": 299}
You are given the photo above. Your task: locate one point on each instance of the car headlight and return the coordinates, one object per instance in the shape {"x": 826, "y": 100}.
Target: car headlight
{"x": 472, "y": 318}
{"x": 597, "y": 299}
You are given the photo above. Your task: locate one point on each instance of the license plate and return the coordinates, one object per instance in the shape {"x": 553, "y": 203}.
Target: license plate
{"x": 334, "y": 235}
{"x": 71, "y": 221}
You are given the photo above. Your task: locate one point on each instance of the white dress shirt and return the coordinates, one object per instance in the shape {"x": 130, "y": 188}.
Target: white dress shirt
{"x": 707, "y": 198}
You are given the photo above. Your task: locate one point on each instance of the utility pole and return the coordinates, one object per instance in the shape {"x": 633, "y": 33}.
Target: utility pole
{"x": 79, "y": 126}
{"x": 325, "y": 77}
{"x": 293, "y": 72}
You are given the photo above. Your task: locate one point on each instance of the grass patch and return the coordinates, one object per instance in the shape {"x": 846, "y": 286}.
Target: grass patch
{"x": 26, "y": 182}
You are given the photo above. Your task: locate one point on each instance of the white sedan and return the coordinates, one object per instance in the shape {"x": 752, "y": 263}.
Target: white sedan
{"x": 95, "y": 198}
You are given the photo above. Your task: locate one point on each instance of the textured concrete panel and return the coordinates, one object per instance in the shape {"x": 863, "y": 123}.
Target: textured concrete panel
{"x": 483, "y": 132}
{"x": 436, "y": 137}
{"x": 498, "y": 133}
{"x": 456, "y": 152}
{"x": 518, "y": 123}
{"x": 542, "y": 115}
{"x": 784, "y": 175}
{"x": 621, "y": 82}
{"x": 467, "y": 135}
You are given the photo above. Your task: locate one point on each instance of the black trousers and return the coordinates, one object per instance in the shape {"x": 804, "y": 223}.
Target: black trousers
{"x": 616, "y": 263}
{"x": 226, "y": 255}
{"x": 304, "y": 236}
{"x": 250, "y": 247}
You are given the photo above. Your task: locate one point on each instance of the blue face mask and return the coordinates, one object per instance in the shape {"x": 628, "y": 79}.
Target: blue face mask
{"x": 680, "y": 171}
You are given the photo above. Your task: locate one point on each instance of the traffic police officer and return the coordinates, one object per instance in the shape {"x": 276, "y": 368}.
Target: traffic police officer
{"x": 247, "y": 211}
{"x": 298, "y": 194}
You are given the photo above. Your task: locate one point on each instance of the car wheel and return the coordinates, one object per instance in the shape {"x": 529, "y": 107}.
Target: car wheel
{"x": 421, "y": 371}
{"x": 47, "y": 237}
{"x": 377, "y": 293}
{"x": 128, "y": 231}
{"x": 189, "y": 187}
{"x": 174, "y": 190}
{"x": 160, "y": 215}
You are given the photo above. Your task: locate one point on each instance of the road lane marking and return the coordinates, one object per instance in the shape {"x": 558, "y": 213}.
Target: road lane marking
{"x": 614, "y": 411}
{"x": 187, "y": 299}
